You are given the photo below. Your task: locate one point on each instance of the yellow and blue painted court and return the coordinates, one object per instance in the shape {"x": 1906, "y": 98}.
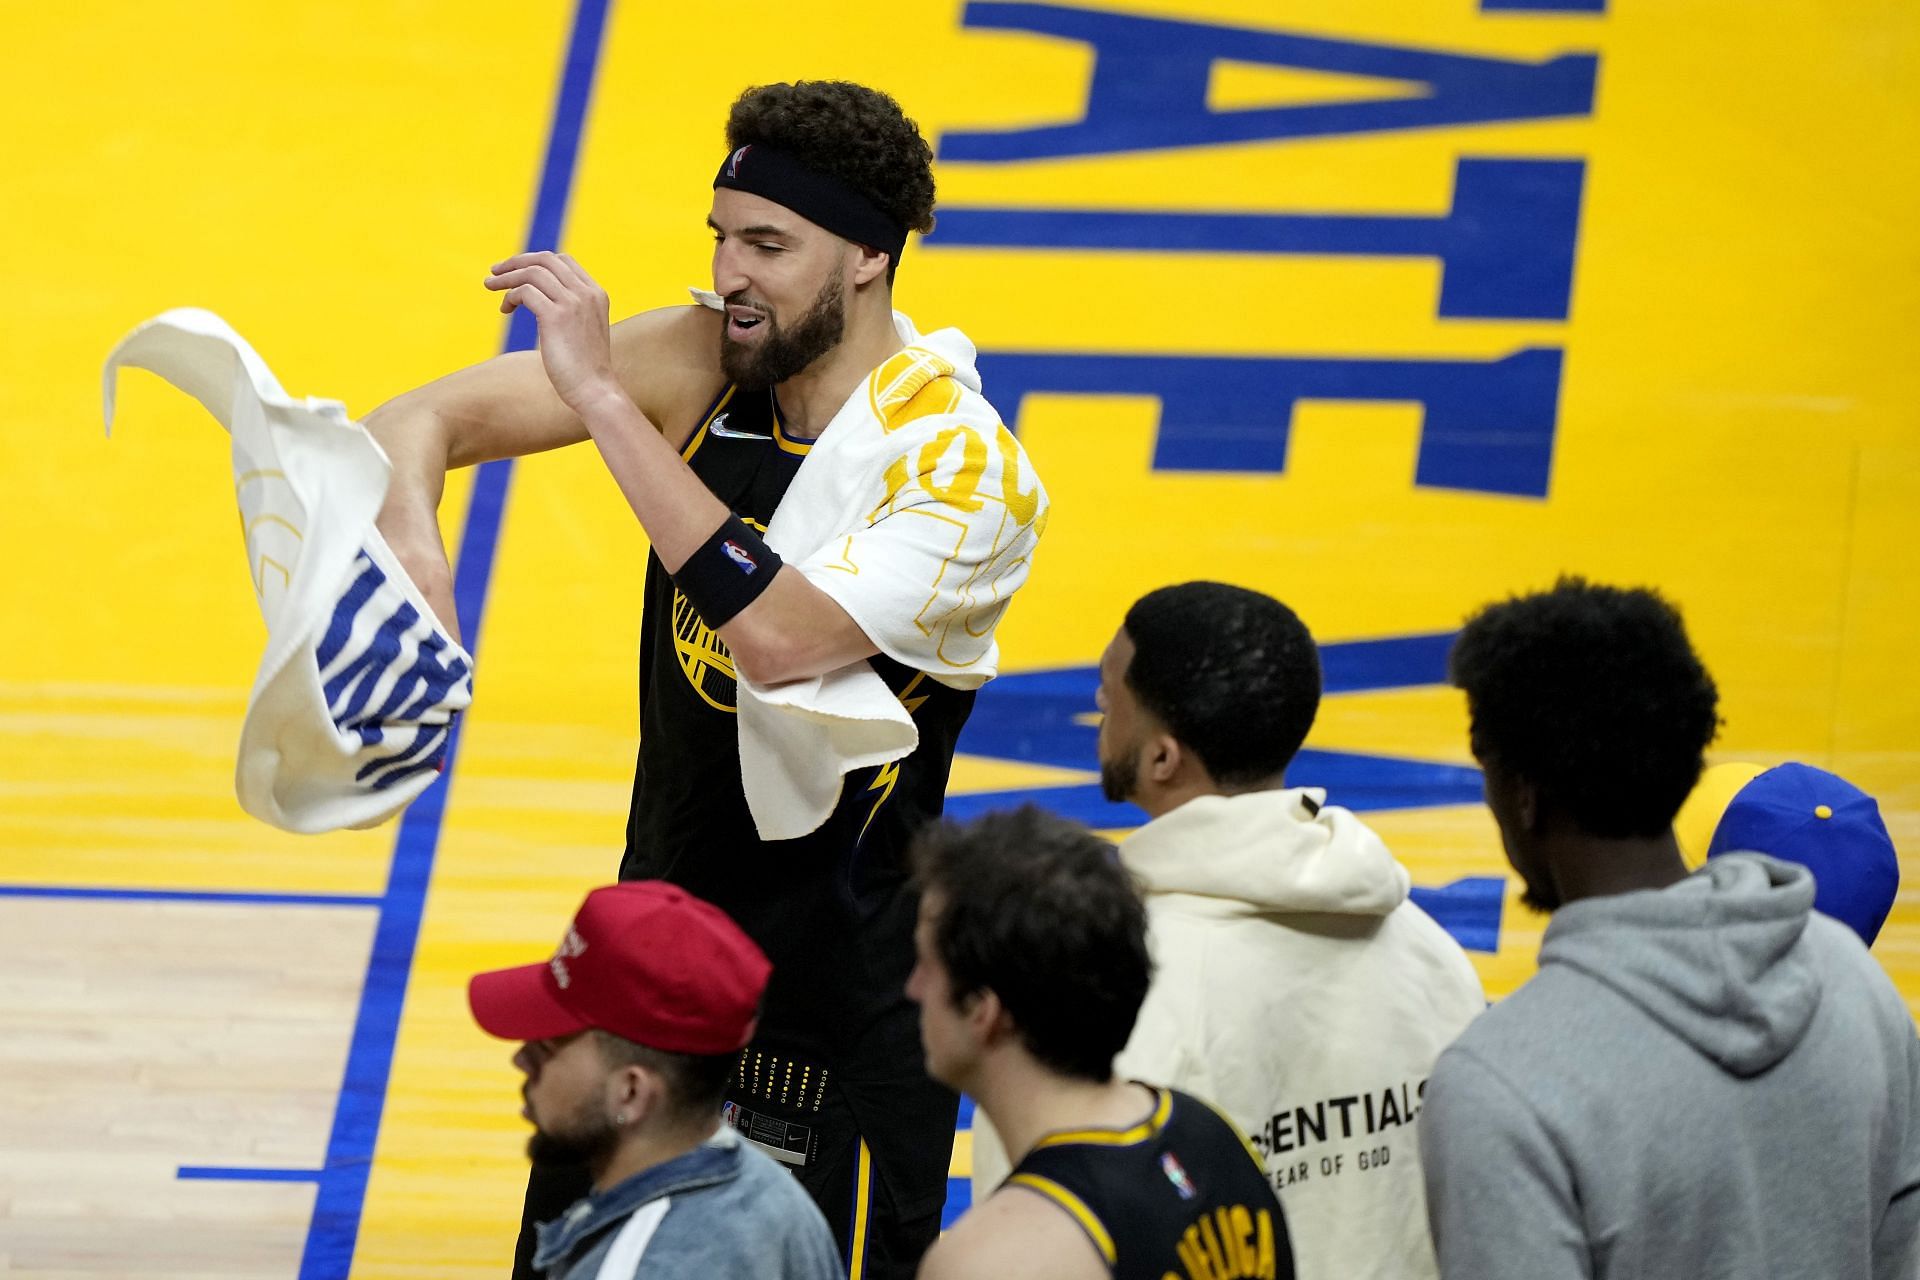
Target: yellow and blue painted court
{"x": 1387, "y": 307}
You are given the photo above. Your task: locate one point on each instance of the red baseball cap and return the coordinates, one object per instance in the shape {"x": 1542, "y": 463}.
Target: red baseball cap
{"x": 644, "y": 960}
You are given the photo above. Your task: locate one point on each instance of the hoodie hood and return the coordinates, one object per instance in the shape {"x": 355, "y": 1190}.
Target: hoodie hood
{"x": 1712, "y": 958}
{"x": 1269, "y": 852}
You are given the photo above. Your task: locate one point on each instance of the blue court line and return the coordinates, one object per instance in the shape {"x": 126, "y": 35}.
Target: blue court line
{"x": 190, "y": 895}
{"x": 224, "y": 1173}
{"x": 341, "y": 1199}
{"x": 343, "y": 1186}
{"x": 1543, "y": 6}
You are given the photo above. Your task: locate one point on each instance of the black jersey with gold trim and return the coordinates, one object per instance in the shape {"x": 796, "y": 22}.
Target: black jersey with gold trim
{"x": 1178, "y": 1197}
{"x": 831, "y": 909}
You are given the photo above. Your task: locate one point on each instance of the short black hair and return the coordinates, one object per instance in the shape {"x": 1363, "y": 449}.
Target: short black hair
{"x": 1038, "y": 910}
{"x": 696, "y": 1082}
{"x": 1233, "y": 674}
{"x": 1595, "y": 696}
{"x": 848, "y": 131}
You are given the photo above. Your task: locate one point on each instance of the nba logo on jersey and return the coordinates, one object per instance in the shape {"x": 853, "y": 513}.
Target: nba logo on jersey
{"x": 1176, "y": 1175}
{"x": 733, "y": 161}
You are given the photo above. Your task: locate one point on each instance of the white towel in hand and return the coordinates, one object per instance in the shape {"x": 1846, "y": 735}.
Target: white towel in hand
{"x": 357, "y": 692}
{"x": 918, "y": 512}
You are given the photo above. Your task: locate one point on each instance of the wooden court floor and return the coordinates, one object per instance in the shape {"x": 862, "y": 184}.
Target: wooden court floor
{"x": 1388, "y": 307}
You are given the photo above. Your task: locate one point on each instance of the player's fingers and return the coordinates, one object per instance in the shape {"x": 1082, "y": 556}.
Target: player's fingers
{"x": 536, "y": 274}
{"x": 526, "y": 295}
{"x": 579, "y": 281}
{"x": 505, "y": 278}
{"x": 567, "y": 263}
{"x": 519, "y": 260}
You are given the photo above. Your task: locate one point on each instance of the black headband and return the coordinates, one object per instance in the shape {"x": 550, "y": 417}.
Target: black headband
{"x": 824, "y": 201}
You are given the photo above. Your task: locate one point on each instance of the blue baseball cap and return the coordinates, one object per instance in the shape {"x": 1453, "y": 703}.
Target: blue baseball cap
{"x": 1801, "y": 814}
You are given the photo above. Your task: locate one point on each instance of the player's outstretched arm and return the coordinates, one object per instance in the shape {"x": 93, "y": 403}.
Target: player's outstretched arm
{"x": 506, "y": 407}
{"x": 500, "y": 408}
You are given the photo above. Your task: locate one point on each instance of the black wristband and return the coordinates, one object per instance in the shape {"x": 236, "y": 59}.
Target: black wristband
{"x": 727, "y": 573}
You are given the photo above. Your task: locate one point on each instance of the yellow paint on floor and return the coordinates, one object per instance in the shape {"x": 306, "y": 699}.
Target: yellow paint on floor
{"x": 1735, "y": 425}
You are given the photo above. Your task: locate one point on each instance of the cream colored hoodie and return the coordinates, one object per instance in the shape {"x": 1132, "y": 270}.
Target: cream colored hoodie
{"x": 1300, "y": 991}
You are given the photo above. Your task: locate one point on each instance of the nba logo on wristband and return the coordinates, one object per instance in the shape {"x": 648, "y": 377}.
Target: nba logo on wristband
{"x": 738, "y": 554}
{"x": 723, "y": 576}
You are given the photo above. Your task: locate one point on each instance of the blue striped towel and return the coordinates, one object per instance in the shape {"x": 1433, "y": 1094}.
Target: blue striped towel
{"x": 356, "y": 697}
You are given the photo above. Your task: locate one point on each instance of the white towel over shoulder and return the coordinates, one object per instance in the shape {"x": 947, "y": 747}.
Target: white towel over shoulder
{"x": 918, "y": 512}
{"x": 355, "y": 698}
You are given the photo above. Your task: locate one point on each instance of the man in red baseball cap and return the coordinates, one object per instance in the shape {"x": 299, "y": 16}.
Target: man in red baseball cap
{"x": 632, "y": 1033}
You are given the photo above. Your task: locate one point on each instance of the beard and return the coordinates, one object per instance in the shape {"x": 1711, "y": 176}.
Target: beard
{"x": 782, "y": 352}
{"x": 588, "y": 1138}
{"x": 1118, "y": 778}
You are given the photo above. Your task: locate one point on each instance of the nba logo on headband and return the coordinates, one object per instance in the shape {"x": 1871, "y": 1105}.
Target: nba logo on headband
{"x": 733, "y": 161}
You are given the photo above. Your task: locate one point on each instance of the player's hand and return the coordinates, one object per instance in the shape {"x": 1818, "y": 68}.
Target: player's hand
{"x": 571, "y": 310}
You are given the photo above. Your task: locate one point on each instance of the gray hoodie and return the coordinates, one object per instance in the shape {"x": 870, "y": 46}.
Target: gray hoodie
{"x": 1701, "y": 1082}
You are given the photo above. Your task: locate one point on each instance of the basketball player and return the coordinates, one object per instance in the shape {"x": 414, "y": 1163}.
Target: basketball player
{"x": 704, "y": 415}
{"x": 1031, "y": 965}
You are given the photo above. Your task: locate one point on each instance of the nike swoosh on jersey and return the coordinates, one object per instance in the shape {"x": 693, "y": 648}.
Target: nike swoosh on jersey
{"x": 719, "y": 428}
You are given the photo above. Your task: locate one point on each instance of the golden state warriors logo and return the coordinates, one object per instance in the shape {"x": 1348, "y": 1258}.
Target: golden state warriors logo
{"x": 704, "y": 659}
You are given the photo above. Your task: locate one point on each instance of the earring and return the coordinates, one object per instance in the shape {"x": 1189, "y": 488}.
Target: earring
{"x": 620, "y": 1117}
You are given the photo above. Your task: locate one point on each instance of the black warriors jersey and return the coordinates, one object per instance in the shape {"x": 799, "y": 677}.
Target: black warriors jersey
{"x": 831, "y": 909}
{"x": 1180, "y": 1197}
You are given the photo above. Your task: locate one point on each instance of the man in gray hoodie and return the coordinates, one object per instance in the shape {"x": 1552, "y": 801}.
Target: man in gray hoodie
{"x": 1705, "y": 1078}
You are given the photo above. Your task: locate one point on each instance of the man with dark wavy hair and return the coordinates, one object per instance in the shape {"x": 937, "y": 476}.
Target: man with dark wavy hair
{"x": 794, "y": 371}
{"x": 1032, "y": 962}
{"x": 1706, "y": 1077}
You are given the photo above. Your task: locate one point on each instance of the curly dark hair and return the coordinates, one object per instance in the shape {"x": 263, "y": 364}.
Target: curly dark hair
{"x": 1038, "y": 910}
{"x": 856, "y": 134}
{"x": 1233, "y": 674}
{"x": 1595, "y": 696}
